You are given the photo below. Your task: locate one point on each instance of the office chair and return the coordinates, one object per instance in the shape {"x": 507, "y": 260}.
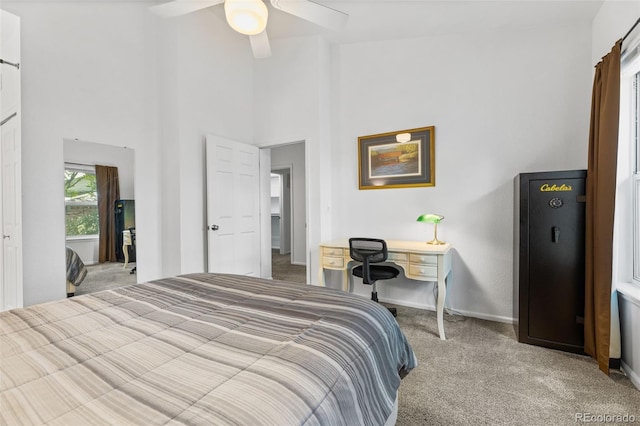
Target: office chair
{"x": 368, "y": 251}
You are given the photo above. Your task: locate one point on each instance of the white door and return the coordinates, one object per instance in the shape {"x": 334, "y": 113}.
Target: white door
{"x": 10, "y": 164}
{"x": 11, "y": 217}
{"x": 233, "y": 207}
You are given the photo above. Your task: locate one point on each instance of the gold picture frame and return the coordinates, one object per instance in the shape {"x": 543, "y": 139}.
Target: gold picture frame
{"x": 401, "y": 159}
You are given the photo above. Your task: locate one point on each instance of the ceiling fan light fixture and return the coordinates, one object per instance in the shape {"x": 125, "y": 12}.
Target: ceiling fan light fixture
{"x": 246, "y": 16}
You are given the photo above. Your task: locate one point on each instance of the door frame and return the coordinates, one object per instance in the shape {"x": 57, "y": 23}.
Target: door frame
{"x": 285, "y": 170}
{"x": 265, "y": 209}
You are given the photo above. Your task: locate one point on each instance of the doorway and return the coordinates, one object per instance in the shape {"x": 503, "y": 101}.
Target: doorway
{"x": 288, "y": 213}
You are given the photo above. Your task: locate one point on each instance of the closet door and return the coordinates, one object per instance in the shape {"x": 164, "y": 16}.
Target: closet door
{"x": 10, "y": 163}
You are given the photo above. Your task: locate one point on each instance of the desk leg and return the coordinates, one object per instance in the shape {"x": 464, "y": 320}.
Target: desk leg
{"x": 442, "y": 295}
{"x": 345, "y": 279}
{"x": 321, "y": 279}
{"x": 126, "y": 256}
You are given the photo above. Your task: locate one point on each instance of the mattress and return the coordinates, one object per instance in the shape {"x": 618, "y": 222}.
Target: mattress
{"x": 203, "y": 349}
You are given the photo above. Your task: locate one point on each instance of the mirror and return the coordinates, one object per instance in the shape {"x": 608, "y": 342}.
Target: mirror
{"x": 84, "y": 272}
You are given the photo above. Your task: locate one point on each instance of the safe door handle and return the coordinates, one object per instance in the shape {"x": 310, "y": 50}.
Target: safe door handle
{"x": 555, "y": 234}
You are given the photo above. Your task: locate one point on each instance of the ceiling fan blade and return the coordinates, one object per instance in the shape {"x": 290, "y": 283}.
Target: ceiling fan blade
{"x": 313, "y": 12}
{"x": 174, "y": 8}
{"x": 260, "y": 45}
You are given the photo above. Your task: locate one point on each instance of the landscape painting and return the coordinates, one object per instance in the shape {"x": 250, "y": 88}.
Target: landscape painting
{"x": 395, "y": 159}
{"x": 398, "y": 159}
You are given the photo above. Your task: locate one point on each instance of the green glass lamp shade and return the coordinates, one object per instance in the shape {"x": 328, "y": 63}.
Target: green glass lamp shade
{"x": 435, "y": 219}
{"x": 430, "y": 218}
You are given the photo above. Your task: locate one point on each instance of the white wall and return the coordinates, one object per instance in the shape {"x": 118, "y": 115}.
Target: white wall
{"x": 501, "y": 103}
{"x": 88, "y": 73}
{"x": 294, "y": 155}
{"x": 89, "y": 153}
{"x": 114, "y": 73}
{"x": 206, "y": 87}
{"x": 291, "y": 104}
{"x": 612, "y": 22}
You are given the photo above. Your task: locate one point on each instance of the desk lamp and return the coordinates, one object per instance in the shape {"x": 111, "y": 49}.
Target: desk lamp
{"x": 435, "y": 219}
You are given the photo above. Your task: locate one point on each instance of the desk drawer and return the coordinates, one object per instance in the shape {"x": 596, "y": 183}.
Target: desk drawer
{"x": 332, "y": 262}
{"x": 397, "y": 257}
{"x": 424, "y": 271}
{"x": 424, "y": 259}
{"x": 332, "y": 251}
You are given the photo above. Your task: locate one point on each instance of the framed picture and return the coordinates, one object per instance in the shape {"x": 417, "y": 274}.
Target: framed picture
{"x": 401, "y": 159}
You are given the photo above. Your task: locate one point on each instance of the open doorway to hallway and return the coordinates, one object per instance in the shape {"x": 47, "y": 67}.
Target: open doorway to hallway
{"x": 288, "y": 213}
{"x": 283, "y": 270}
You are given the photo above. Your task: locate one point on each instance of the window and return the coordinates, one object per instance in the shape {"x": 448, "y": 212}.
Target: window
{"x": 628, "y": 192}
{"x": 80, "y": 201}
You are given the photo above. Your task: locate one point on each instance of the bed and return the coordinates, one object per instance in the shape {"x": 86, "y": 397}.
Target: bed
{"x": 76, "y": 271}
{"x": 203, "y": 349}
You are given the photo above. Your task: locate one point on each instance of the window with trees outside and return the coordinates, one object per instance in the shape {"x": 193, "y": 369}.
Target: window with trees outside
{"x": 81, "y": 201}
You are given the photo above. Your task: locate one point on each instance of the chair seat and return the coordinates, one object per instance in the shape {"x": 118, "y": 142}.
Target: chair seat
{"x": 378, "y": 272}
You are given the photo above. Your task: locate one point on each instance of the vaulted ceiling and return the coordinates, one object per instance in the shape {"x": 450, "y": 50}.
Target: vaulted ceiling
{"x": 392, "y": 19}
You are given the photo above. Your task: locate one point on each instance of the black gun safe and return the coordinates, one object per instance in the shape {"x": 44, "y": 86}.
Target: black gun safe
{"x": 549, "y": 270}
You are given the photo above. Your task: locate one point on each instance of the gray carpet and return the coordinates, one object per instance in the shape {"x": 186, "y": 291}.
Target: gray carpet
{"x": 480, "y": 375}
{"x": 106, "y": 276}
{"x": 282, "y": 269}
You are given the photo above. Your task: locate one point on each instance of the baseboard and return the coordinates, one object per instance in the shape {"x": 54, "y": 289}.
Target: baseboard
{"x": 488, "y": 317}
{"x": 299, "y": 263}
{"x": 632, "y": 375}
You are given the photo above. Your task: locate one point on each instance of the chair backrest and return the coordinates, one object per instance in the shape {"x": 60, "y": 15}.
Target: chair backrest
{"x": 368, "y": 250}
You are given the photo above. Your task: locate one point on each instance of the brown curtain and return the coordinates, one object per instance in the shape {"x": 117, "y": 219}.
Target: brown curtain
{"x": 601, "y": 189}
{"x": 108, "y": 192}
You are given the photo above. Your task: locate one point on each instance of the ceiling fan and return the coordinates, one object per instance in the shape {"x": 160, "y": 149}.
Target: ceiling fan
{"x": 250, "y": 16}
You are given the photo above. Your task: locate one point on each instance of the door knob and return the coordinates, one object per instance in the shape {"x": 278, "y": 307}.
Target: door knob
{"x": 214, "y": 227}
{"x": 4, "y": 237}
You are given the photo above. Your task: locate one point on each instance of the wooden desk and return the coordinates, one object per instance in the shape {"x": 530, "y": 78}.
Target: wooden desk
{"x": 419, "y": 260}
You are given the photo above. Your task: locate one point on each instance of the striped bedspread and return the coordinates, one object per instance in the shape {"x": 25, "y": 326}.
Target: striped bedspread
{"x": 202, "y": 349}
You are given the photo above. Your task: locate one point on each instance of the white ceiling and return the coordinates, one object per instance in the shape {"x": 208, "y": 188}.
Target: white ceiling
{"x": 393, "y": 19}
